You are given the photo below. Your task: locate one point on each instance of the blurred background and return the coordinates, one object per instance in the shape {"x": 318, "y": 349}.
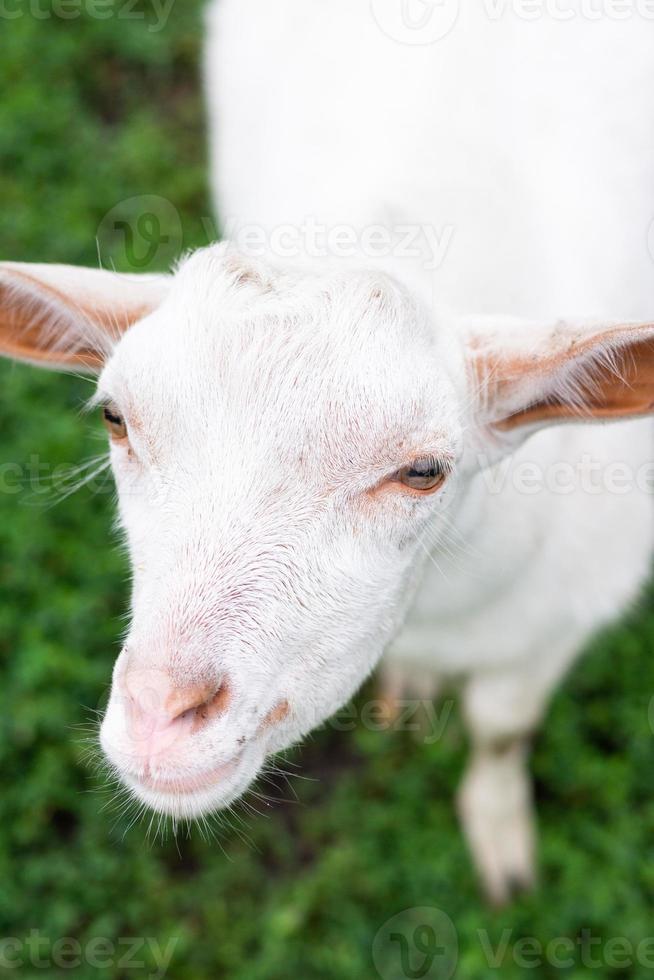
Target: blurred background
{"x": 102, "y": 151}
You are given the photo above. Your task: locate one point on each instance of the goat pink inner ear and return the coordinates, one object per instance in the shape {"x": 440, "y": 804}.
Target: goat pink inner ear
{"x": 601, "y": 376}
{"x": 63, "y": 316}
{"x": 622, "y": 390}
{"x": 26, "y": 331}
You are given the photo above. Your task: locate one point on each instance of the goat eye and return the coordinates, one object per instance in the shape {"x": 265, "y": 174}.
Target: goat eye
{"x": 115, "y": 423}
{"x": 424, "y": 475}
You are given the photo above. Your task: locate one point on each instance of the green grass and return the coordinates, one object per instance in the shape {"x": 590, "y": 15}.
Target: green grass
{"x": 94, "y": 113}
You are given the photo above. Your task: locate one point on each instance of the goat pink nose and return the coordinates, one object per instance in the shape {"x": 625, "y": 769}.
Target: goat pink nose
{"x": 160, "y": 711}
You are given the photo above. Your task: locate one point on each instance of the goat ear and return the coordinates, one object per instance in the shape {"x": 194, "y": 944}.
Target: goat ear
{"x": 527, "y": 376}
{"x": 65, "y": 317}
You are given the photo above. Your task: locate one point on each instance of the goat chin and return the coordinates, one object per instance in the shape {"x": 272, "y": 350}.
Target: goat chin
{"x": 197, "y": 796}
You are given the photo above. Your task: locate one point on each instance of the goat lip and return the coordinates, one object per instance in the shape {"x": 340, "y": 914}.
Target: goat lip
{"x": 189, "y": 783}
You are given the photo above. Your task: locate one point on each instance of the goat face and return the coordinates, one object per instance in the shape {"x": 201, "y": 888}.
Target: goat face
{"x": 280, "y": 446}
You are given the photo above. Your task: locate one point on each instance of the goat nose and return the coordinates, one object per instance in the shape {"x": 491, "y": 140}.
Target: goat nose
{"x": 159, "y": 710}
{"x": 202, "y": 701}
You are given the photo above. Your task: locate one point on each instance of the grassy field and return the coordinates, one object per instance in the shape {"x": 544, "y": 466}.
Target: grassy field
{"x": 93, "y": 114}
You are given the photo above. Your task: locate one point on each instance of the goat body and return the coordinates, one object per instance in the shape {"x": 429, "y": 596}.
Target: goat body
{"x": 528, "y": 147}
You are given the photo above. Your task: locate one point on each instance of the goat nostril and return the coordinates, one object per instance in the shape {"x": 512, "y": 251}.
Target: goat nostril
{"x": 207, "y": 708}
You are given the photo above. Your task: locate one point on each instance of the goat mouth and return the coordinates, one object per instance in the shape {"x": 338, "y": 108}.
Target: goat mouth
{"x": 187, "y": 783}
{"x": 191, "y": 793}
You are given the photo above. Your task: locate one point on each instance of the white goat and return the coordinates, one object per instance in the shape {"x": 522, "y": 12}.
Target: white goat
{"x": 292, "y": 445}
